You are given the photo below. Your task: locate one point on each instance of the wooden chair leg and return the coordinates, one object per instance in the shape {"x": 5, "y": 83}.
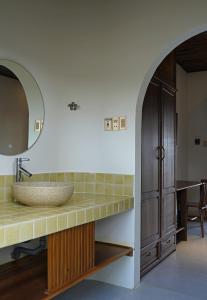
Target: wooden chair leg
{"x": 202, "y": 223}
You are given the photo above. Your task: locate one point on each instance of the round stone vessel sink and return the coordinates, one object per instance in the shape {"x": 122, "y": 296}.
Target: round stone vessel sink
{"x": 42, "y": 193}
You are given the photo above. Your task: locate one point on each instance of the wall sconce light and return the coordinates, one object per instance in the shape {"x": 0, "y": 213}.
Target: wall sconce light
{"x": 73, "y": 106}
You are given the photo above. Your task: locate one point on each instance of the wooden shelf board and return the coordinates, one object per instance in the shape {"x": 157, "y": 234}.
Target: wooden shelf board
{"x": 27, "y": 277}
{"x": 106, "y": 253}
{"x": 24, "y": 278}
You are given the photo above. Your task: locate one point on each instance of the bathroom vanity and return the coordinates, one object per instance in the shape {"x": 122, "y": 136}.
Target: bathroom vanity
{"x": 72, "y": 253}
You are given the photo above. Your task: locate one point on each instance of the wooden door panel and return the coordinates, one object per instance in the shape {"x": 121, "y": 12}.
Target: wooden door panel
{"x": 150, "y": 224}
{"x": 158, "y": 208}
{"x": 169, "y": 213}
{"x": 150, "y": 139}
{"x": 168, "y": 138}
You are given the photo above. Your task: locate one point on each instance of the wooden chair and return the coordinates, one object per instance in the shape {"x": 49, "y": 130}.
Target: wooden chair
{"x": 200, "y": 207}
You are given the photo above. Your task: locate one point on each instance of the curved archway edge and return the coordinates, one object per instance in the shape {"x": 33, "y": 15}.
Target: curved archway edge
{"x": 138, "y": 139}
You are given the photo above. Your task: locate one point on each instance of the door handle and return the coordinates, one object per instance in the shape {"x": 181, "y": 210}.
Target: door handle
{"x": 162, "y": 153}
{"x": 158, "y": 152}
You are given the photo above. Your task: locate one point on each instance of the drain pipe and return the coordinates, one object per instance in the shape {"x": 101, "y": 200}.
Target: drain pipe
{"x": 16, "y": 253}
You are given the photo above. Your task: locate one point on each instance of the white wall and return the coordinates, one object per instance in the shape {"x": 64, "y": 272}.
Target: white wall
{"x": 102, "y": 55}
{"x": 197, "y": 124}
{"x": 192, "y": 114}
{"x": 192, "y": 123}
{"x": 97, "y": 54}
{"x": 117, "y": 229}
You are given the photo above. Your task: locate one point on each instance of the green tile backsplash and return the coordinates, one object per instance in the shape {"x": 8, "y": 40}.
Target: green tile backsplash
{"x": 93, "y": 183}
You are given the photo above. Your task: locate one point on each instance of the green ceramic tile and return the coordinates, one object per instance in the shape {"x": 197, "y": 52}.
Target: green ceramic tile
{"x": 90, "y": 183}
{"x": 97, "y": 213}
{"x": 89, "y": 215}
{"x": 39, "y": 228}
{"x": 100, "y": 188}
{"x": 109, "y": 178}
{"x": 53, "y": 177}
{"x": 100, "y": 177}
{"x": 1, "y": 237}
{"x": 45, "y": 177}
{"x": 110, "y": 209}
{"x": 26, "y": 231}
{"x": 128, "y": 179}
{"x": 90, "y": 177}
{"x": 79, "y": 187}
{"x": 90, "y": 188}
{"x": 81, "y": 217}
{"x": 2, "y": 180}
{"x": 118, "y": 179}
{"x": 116, "y": 207}
{"x": 109, "y": 189}
{"x": 118, "y": 190}
{"x": 103, "y": 212}
{"x": 69, "y": 177}
{"x": 79, "y": 177}
{"x": 11, "y": 234}
{"x": 128, "y": 191}
{"x": 28, "y": 179}
{"x": 121, "y": 206}
{"x": 60, "y": 177}
{"x": 51, "y": 224}
{"x": 36, "y": 177}
{"x": 9, "y": 180}
{"x": 1, "y": 194}
{"x": 72, "y": 220}
{"x": 62, "y": 222}
{"x": 8, "y": 194}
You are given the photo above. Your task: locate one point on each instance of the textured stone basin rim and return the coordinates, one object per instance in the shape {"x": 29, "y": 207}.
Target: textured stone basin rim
{"x": 42, "y": 193}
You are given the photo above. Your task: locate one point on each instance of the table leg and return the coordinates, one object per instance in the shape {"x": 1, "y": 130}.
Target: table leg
{"x": 183, "y": 217}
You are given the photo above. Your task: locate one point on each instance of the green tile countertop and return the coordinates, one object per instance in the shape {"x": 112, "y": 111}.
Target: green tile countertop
{"x": 20, "y": 223}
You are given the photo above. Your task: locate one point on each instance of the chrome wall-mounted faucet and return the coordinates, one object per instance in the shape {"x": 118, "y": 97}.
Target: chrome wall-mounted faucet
{"x": 20, "y": 170}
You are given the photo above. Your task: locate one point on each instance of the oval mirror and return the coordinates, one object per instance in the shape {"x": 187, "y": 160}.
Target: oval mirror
{"x": 21, "y": 109}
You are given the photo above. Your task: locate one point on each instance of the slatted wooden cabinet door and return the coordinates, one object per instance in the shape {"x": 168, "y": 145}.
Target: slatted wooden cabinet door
{"x": 70, "y": 255}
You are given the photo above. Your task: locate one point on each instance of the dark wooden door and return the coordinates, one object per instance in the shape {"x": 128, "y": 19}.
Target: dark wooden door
{"x": 158, "y": 209}
{"x": 168, "y": 160}
{"x": 150, "y": 208}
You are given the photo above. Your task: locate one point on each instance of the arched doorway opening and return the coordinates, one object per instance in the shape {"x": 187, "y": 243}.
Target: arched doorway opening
{"x": 165, "y": 123}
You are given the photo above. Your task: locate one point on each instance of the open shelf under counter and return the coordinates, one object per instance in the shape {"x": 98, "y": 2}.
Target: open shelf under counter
{"x": 72, "y": 255}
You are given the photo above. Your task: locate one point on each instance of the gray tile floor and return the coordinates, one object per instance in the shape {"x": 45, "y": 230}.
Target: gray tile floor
{"x": 182, "y": 276}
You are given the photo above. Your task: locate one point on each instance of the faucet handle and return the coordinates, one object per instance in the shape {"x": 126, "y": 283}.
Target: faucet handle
{"x": 24, "y": 159}
{"x": 21, "y": 159}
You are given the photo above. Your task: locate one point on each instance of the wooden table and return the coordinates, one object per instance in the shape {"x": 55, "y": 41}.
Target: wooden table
{"x": 182, "y": 218}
